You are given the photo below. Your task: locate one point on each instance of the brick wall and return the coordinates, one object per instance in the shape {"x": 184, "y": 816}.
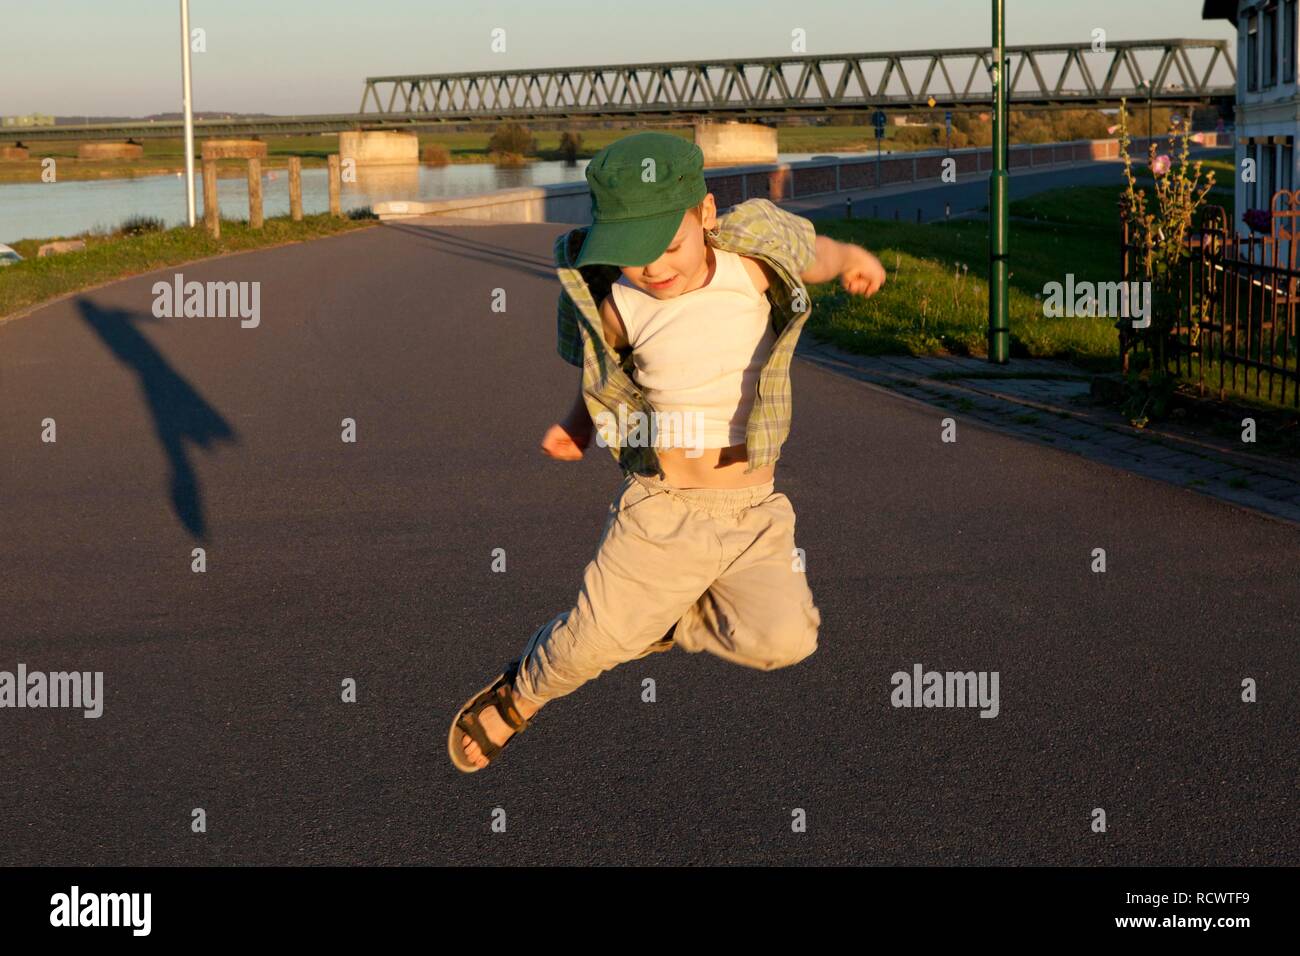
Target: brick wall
{"x": 788, "y": 181}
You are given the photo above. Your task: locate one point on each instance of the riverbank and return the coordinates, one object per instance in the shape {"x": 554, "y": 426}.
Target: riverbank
{"x": 34, "y": 281}
{"x": 167, "y": 156}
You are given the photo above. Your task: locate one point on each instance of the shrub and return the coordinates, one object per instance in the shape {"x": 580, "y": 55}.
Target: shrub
{"x": 512, "y": 138}
{"x": 570, "y": 144}
{"x": 138, "y": 225}
{"x": 362, "y": 212}
{"x": 914, "y": 135}
{"x": 435, "y": 154}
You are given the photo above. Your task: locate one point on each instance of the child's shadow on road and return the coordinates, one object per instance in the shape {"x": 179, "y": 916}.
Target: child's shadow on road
{"x": 180, "y": 413}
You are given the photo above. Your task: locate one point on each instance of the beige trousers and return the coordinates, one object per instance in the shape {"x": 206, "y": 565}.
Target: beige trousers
{"x": 720, "y": 564}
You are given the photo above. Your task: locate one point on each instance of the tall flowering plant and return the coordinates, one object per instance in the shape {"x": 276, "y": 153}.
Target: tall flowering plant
{"x": 1161, "y": 231}
{"x": 1159, "y": 228}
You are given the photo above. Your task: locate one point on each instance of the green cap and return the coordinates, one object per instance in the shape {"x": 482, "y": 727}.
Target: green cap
{"x": 641, "y": 187}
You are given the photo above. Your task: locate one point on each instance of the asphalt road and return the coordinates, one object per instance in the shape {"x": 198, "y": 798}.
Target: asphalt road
{"x": 372, "y": 561}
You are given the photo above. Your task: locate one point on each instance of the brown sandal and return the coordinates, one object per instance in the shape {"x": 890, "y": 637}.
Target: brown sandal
{"x": 497, "y": 695}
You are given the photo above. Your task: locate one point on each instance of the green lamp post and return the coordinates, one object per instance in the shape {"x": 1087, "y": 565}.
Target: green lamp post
{"x": 999, "y": 329}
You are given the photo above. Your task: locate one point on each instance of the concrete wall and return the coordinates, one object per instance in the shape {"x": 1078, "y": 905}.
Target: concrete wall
{"x": 730, "y": 144}
{"x": 564, "y": 202}
{"x": 831, "y": 175}
{"x": 379, "y": 147}
{"x": 571, "y": 202}
{"x": 109, "y": 151}
{"x": 233, "y": 149}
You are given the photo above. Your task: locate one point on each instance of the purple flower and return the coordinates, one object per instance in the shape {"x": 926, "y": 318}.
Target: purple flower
{"x": 1259, "y": 220}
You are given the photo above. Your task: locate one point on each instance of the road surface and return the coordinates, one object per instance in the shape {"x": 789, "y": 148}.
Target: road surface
{"x": 372, "y": 561}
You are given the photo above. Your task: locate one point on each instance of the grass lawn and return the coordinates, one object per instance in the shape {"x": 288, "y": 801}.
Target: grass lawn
{"x": 1097, "y": 207}
{"x": 936, "y": 298}
{"x": 1093, "y": 207}
{"x": 105, "y": 258}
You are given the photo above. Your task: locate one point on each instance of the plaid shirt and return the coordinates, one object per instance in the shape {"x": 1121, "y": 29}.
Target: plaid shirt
{"x": 756, "y": 228}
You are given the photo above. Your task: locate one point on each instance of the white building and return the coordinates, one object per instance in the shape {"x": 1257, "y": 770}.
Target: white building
{"x": 1268, "y": 96}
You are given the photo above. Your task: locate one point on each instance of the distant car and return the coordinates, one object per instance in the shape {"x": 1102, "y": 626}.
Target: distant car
{"x": 8, "y": 257}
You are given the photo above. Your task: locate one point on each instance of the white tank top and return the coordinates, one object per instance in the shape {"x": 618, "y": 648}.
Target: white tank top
{"x": 697, "y": 356}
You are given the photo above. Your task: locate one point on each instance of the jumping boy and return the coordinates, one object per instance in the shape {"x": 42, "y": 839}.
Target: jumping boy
{"x": 696, "y": 325}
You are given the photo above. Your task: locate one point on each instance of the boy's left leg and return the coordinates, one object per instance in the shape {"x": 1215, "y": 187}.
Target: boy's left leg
{"x": 656, "y": 556}
{"x": 760, "y": 610}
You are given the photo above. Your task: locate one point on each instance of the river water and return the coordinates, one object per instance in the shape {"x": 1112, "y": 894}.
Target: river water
{"x": 37, "y": 210}
{"x": 40, "y": 210}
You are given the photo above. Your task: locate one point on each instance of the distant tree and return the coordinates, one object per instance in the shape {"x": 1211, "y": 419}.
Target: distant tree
{"x": 512, "y": 138}
{"x": 435, "y": 154}
{"x": 570, "y": 145}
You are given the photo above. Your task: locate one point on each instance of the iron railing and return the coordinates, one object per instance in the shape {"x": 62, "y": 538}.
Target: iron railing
{"x": 1234, "y": 303}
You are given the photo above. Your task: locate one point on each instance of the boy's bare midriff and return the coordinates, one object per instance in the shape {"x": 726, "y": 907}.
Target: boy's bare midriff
{"x": 716, "y": 468}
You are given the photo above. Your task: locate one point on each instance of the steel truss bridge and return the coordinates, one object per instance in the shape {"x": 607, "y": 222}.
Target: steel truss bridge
{"x": 1044, "y": 76}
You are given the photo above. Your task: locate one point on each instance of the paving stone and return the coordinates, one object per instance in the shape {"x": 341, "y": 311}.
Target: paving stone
{"x": 1172, "y": 475}
{"x": 1168, "y": 455}
{"x": 1206, "y": 468}
{"x": 1079, "y": 430}
{"x": 1277, "y": 488}
{"x": 1087, "y": 432}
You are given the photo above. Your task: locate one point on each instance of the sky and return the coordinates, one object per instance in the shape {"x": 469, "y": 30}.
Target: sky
{"x": 122, "y": 57}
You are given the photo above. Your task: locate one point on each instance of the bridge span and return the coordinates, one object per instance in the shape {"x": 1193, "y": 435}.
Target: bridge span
{"x": 1043, "y": 76}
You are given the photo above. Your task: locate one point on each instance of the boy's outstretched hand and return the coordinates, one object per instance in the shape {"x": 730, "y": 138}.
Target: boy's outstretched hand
{"x": 863, "y": 274}
{"x": 858, "y": 270}
{"x": 560, "y": 444}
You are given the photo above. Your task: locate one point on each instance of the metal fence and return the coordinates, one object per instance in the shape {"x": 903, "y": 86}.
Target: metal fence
{"x": 1234, "y": 300}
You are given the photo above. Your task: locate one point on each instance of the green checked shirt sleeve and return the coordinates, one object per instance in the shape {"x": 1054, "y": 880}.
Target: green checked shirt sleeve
{"x": 568, "y": 334}
{"x": 757, "y": 228}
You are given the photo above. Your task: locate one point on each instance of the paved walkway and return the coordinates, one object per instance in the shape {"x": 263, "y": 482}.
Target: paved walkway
{"x": 373, "y": 561}
{"x": 1057, "y": 409}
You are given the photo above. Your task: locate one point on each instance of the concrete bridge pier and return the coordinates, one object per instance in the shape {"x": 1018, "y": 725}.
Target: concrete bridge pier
{"x": 109, "y": 150}
{"x": 736, "y": 144}
{"x": 379, "y": 147}
{"x": 232, "y": 149}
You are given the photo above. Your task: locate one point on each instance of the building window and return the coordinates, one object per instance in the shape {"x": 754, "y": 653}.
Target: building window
{"x": 1268, "y": 175}
{"x": 1257, "y": 192}
{"x": 1252, "y": 52}
{"x": 1268, "y": 47}
{"x": 1287, "y": 180}
{"x": 1250, "y": 188}
{"x": 1288, "y": 42}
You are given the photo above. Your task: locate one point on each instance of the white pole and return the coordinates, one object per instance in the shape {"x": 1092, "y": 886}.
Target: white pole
{"x": 189, "y": 110}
